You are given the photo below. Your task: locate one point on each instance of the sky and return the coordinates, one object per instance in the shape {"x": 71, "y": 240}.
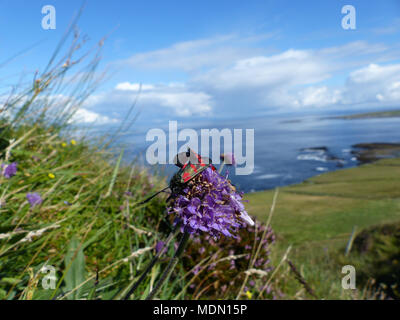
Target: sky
{"x": 217, "y": 59}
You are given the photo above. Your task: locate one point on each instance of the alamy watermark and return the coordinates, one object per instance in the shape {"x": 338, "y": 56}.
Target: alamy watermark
{"x": 349, "y": 280}
{"x": 50, "y": 279}
{"x": 233, "y": 142}
{"x": 349, "y": 20}
{"x": 49, "y": 20}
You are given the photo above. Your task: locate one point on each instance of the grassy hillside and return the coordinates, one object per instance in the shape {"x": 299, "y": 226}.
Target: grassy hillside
{"x": 69, "y": 205}
{"x": 317, "y": 217}
{"x": 88, "y": 226}
{"x": 85, "y": 221}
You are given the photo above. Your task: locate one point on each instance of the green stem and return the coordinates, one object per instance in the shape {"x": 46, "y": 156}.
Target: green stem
{"x": 151, "y": 264}
{"x": 171, "y": 265}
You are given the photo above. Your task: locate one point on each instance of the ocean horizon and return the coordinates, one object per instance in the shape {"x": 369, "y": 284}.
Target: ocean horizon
{"x": 287, "y": 149}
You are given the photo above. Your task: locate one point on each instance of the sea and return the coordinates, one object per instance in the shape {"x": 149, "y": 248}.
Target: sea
{"x": 287, "y": 149}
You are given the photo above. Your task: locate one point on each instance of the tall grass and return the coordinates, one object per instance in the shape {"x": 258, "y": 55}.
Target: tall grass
{"x": 89, "y": 227}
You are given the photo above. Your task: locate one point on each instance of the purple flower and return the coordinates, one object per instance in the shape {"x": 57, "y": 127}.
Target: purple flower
{"x": 159, "y": 246}
{"x": 228, "y": 158}
{"x": 210, "y": 204}
{"x": 196, "y": 270}
{"x": 212, "y": 266}
{"x": 9, "y": 170}
{"x": 34, "y": 199}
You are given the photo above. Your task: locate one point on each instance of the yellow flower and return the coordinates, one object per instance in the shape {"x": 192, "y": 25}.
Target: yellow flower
{"x": 73, "y": 142}
{"x": 63, "y": 144}
{"x": 51, "y": 176}
{"x": 249, "y": 294}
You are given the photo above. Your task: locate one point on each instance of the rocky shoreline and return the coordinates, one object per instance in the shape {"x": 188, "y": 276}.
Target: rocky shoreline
{"x": 362, "y": 152}
{"x": 370, "y": 152}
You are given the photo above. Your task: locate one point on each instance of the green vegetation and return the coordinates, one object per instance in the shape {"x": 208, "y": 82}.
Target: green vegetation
{"x": 69, "y": 205}
{"x": 90, "y": 228}
{"x": 317, "y": 217}
{"x": 84, "y": 198}
{"x": 371, "y": 115}
{"x": 72, "y": 206}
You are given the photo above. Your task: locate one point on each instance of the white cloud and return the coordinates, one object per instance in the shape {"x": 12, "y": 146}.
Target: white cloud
{"x": 184, "y": 103}
{"x": 127, "y": 86}
{"x": 297, "y": 78}
{"x": 196, "y": 54}
{"x": 353, "y": 49}
{"x": 373, "y": 84}
{"x": 156, "y": 100}
{"x": 375, "y": 73}
{"x": 365, "y": 87}
{"x": 292, "y": 67}
{"x": 85, "y": 116}
{"x": 393, "y": 28}
{"x": 229, "y": 75}
{"x": 319, "y": 97}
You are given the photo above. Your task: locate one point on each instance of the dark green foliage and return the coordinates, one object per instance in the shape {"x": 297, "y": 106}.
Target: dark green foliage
{"x": 219, "y": 277}
{"x": 378, "y": 249}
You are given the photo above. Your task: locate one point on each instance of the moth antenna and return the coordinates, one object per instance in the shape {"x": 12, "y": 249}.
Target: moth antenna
{"x": 152, "y": 196}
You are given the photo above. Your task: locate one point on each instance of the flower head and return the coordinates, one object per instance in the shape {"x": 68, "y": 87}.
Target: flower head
{"x": 34, "y": 199}
{"x": 73, "y": 142}
{"x": 9, "y": 170}
{"x": 51, "y": 175}
{"x": 159, "y": 246}
{"x": 63, "y": 144}
{"x": 210, "y": 204}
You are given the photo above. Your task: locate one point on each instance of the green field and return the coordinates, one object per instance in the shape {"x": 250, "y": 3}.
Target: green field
{"x": 317, "y": 217}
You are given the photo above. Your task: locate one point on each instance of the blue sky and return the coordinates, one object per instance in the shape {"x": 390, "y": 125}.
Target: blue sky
{"x": 219, "y": 58}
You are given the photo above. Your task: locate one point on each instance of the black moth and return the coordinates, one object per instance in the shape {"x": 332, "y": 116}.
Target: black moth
{"x": 190, "y": 164}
